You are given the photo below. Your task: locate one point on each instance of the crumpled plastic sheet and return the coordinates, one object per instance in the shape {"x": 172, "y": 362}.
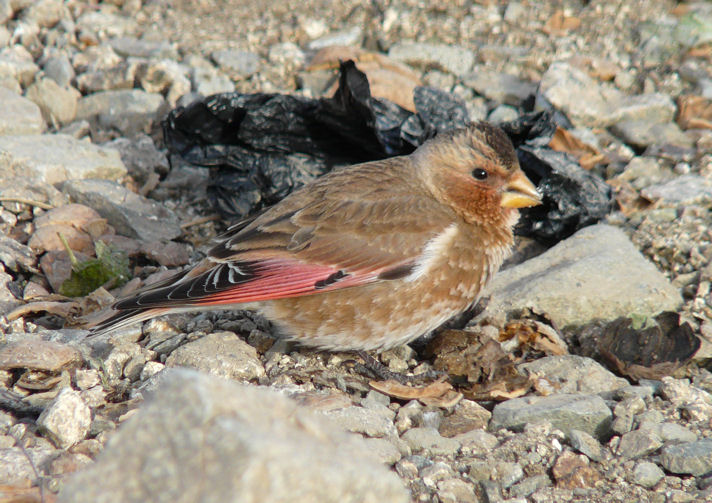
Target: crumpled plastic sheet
{"x": 263, "y": 146}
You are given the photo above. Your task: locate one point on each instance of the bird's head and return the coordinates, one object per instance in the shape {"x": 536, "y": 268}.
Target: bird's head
{"x": 475, "y": 170}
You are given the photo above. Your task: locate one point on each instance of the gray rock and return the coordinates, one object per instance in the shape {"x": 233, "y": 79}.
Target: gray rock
{"x": 383, "y": 450}
{"x": 499, "y": 87}
{"x": 670, "y": 432}
{"x": 57, "y": 104}
{"x": 222, "y": 354}
{"x": 638, "y": 443}
{"x": 572, "y": 91}
{"x": 651, "y": 108}
{"x": 252, "y": 444}
{"x": 429, "y": 440}
{"x": 683, "y": 190}
{"x": 208, "y": 80}
{"x": 468, "y": 415}
{"x": 694, "y": 458}
{"x": 503, "y": 113}
{"x": 131, "y": 214}
{"x": 644, "y": 171}
{"x": 16, "y": 61}
{"x": 46, "y": 13}
{"x": 15, "y": 255}
{"x": 59, "y": 69}
{"x": 139, "y": 48}
{"x": 530, "y": 485}
{"x": 647, "y": 474}
{"x": 8, "y": 301}
{"x": 128, "y": 111}
{"x": 476, "y": 442}
{"x": 566, "y": 412}
{"x": 450, "y": 58}
{"x": 120, "y": 76}
{"x": 237, "y": 64}
{"x": 66, "y": 420}
{"x": 19, "y": 115}
{"x": 565, "y": 281}
{"x": 456, "y": 491}
{"x": 574, "y": 374}
{"x": 140, "y": 156}
{"x": 587, "y": 445}
{"x": 55, "y": 158}
{"x": 642, "y": 134}
{"x": 371, "y": 422}
{"x": 351, "y": 36}
{"x": 507, "y": 473}
{"x": 16, "y": 468}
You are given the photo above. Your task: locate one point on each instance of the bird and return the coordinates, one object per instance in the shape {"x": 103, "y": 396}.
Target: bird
{"x": 367, "y": 257}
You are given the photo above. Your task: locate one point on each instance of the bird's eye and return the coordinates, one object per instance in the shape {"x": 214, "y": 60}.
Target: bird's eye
{"x": 479, "y": 174}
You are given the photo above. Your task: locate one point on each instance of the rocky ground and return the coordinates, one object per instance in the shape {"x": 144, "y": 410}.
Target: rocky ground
{"x": 544, "y": 404}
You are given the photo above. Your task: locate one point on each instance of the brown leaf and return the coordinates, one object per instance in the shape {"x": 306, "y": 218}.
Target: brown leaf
{"x": 588, "y": 156}
{"x": 489, "y": 372}
{"x": 395, "y": 389}
{"x": 648, "y": 349}
{"x": 533, "y": 335}
{"x": 695, "y": 112}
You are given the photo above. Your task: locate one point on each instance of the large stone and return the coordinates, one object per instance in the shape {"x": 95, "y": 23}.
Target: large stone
{"x": 66, "y": 420}
{"x": 222, "y": 354}
{"x": 694, "y": 458}
{"x": 58, "y": 104}
{"x": 56, "y": 158}
{"x": 595, "y": 274}
{"x": 201, "y": 438}
{"x": 574, "y": 374}
{"x": 131, "y": 214}
{"x": 567, "y": 412}
{"x": 128, "y": 110}
{"x": 19, "y": 115}
{"x": 450, "y": 58}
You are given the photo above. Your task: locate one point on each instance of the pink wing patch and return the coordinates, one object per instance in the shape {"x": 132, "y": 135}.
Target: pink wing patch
{"x": 280, "y": 278}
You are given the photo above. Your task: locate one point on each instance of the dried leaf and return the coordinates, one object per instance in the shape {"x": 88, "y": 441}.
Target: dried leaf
{"x": 395, "y": 389}
{"x": 588, "y": 156}
{"x": 527, "y": 335}
{"x": 448, "y": 400}
{"x": 656, "y": 348}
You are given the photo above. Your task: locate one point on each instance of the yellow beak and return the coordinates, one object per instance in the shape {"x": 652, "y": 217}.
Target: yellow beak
{"x": 519, "y": 192}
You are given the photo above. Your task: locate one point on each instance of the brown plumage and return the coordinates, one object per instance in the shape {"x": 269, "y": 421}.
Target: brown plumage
{"x": 367, "y": 257}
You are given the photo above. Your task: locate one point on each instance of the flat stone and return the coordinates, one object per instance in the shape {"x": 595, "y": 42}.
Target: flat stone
{"x": 651, "y": 107}
{"x": 587, "y": 445}
{"x": 55, "y": 158}
{"x": 252, "y": 444}
{"x": 128, "y": 111}
{"x": 57, "y": 104}
{"x": 499, "y": 87}
{"x": 129, "y": 213}
{"x": 694, "y": 458}
{"x": 468, "y": 415}
{"x": 19, "y": 115}
{"x": 139, "y": 48}
{"x": 641, "y": 134}
{"x": 237, "y": 64}
{"x": 16, "y": 468}
{"x": 428, "y": 439}
{"x": 222, "y": 354}
{"x": 529, "y": 486}
{"x": 15, "y": 255}
{"x": 565, "y": 281}
{"x": 638, "y": 443}
{"x": 585, "y": 101}
{"x": 66, "y": 420}
{"x": 456, "y": 491}
{"x": 683, "y": 190}
{"x": 647, "y": 474}
{"x": 574, "y": 374}
{"x": 383, "y": 450}
{"x": 370, "y": 422}
{"x": 450, "y": 58}
{"x": 566, "y": 412}
{"x": 349, "y": 37}
{"x": 37, "y": 354}
{"x": 671, "y": 432}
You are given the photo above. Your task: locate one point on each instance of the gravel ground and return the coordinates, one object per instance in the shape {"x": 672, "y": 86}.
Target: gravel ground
{"x": 83, "y": 88}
